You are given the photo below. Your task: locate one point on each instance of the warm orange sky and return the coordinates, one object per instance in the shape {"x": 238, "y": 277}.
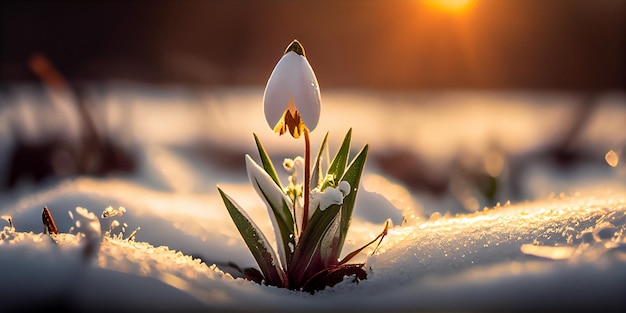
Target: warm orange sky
{"x": 556, "y": 44}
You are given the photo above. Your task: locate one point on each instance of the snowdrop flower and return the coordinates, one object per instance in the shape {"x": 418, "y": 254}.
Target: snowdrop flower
{"x": 308, "y": 256}
{"x": 292, "y": 96}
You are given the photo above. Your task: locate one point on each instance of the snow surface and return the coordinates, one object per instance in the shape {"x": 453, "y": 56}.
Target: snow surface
{"x": 466, "y": 262}
{"x": 564, "y": 251}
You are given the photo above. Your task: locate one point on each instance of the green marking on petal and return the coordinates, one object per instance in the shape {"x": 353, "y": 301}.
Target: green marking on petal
{"x": 296, "y": 47}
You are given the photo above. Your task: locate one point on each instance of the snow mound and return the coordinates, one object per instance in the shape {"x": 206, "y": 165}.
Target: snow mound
{"x": 565, "y": 252}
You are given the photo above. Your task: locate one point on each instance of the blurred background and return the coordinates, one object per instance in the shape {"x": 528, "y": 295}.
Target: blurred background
{"x": 411, "y": 45}
{"x": 470, "y": 101}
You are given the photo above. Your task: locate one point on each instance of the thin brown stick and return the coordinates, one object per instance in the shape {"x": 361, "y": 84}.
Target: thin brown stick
{"x": 50, "y": 227}
{"x": 307, "y": 178}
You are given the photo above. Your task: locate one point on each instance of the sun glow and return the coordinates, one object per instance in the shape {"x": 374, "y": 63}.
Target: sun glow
{"x": 455, "y": 6}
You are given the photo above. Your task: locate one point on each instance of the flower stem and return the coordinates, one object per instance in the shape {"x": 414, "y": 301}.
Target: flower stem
{"x": 307, "y": 178}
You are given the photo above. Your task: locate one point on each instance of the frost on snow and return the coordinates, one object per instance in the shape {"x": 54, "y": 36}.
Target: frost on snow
{"x": 87, "y": 225}
{"x": 111, "y": 212}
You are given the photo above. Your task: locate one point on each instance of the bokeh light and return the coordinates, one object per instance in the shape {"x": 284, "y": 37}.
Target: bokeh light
{"x": 453, "y": 6}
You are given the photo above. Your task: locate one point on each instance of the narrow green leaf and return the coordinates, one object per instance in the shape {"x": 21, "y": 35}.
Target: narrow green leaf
{"x": 338, "y": 166}
{"x": 308, "y": 258}
{"x": 278, "y": 206}
{"x": 284, "y": 222}
{"x": 353, "y": 177}
{"x": 317, "y": 174}
{"x": 257, "y": 243}
{"x": 267, "y": 162}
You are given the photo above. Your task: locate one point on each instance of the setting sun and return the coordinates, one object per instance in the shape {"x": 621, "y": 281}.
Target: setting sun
{"x": 449, "y": 5}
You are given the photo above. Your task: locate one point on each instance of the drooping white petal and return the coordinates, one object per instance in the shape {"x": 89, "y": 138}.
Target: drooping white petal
{"x": 292, "y": 78}
{"x": 277, "y": 93}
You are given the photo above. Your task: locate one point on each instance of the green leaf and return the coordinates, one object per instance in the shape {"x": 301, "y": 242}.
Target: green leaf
{"x": 338, "y": 166}
{"x": 285, "y": 224}
{"x": 353, "y": 177}
{"x": 267, "y": 162}
{"x": 317, "y": 174}
{"x": 257, "y": 243}
{"x": 278, "y": 205}
{"x": 321, "y": 234}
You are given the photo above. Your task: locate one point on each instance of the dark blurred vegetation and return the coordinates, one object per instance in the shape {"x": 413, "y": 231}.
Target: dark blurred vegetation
{"x": 491, "y": 44}
{"x": 92, "y": 154}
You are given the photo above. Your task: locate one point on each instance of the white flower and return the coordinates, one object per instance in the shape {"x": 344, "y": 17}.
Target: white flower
{"x": 292, "y": 95}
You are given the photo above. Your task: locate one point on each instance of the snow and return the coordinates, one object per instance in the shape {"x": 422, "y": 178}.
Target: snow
{"x": 328, "y": 197}
{"x": 263, "y": 183}
{"x": 562, "y": 248}
{"x": 478, "y": 260}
